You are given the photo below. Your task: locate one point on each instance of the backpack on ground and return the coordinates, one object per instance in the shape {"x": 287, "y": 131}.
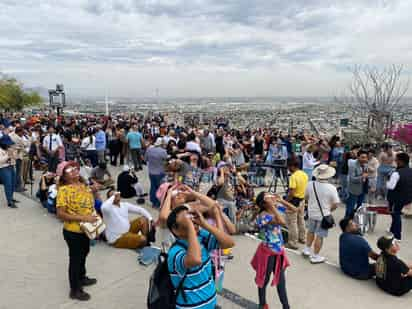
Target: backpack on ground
{"x": 162, "y": 294}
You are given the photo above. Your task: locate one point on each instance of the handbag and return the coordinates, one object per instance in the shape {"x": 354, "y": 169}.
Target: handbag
{"x": 93, "y": 230}
{"x": 327, "y": 221}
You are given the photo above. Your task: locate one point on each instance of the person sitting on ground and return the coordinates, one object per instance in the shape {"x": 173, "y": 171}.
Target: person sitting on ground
{"x": 99, "y": 173}
{"x": 189, "y": 260}
{"x": 128, "y": 184}
{"x": 120, "y": 232}
{"x": 392, "y": 275}
{"x": 354, "y": 252}
{"x": 46, "y": 180}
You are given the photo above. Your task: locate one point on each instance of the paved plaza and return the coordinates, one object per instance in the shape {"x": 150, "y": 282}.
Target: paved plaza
{"x": 33, "y": 270}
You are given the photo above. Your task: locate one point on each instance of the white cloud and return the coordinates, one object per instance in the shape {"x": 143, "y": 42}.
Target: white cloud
{"x": 200, "y": 47}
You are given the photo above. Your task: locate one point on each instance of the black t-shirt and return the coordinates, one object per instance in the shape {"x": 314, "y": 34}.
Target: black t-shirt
{"x": 389, "y": 270}
{"x": 125, "y": 183}
{"x": 258, "y": 147}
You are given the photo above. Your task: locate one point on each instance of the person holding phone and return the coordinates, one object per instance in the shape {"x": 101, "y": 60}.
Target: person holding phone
{"x": 75, "y": 204}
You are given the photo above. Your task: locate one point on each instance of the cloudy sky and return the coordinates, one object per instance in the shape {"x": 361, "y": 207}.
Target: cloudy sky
{"x": 200, "y": 47}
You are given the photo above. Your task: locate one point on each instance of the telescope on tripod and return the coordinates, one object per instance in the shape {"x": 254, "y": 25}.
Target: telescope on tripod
{"x": 279, "y": 171}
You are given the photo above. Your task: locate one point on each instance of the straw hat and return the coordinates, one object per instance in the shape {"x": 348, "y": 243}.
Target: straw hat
{"x": 159, "y": 142}
{"x": 324, "y": 171}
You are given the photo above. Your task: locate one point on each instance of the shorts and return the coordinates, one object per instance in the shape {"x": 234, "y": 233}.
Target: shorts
{"x": 314, "y": 227}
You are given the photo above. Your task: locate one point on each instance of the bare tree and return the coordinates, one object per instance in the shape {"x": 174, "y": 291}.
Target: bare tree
{"x": 378, "y": 91}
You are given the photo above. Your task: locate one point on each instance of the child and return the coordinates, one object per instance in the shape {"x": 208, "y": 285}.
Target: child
{"x": 271, "y": 252}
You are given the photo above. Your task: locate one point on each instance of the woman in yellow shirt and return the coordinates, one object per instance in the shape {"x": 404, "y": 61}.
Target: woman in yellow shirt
{"x": 75, "y": 204}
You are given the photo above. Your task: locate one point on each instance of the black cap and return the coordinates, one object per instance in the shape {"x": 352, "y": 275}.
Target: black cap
{"x": 385, "y": 242}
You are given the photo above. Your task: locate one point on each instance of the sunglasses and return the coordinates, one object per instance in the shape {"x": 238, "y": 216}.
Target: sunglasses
{"x": 71, "y": 169}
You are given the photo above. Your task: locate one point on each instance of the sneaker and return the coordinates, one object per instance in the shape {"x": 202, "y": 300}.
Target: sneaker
{"x": 79, "y": 295}
{"x": 12, "y": 205}
{"x": 88, "y": 281}
{"x": 306, "y": 252}
{"x": 317, "y": 259}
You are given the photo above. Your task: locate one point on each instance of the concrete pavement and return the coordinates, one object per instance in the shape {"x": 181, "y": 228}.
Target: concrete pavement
{"x": 33, "y": 270}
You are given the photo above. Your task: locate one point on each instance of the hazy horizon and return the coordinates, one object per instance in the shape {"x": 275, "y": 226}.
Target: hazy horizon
{"x": 200, "y": 48}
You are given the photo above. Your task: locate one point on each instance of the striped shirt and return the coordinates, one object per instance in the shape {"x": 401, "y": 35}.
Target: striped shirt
{"x": 199, "y": 286}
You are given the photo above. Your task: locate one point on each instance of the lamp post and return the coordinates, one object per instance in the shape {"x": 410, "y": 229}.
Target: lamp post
{"x": 57, "y": 98}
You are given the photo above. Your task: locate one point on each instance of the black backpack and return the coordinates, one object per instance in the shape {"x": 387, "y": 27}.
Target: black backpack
{"x": 162, "y": 294}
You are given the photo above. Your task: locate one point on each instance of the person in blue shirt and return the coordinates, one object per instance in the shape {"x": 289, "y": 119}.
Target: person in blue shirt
{"x": 189, "y": 258}
{"x": 100, "y": 144}
{"x": 135, "y": 141}
{"x": 354, "y": 252}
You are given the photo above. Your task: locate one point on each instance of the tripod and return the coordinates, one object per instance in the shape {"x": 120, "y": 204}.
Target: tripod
{"x": 279, "y": 177}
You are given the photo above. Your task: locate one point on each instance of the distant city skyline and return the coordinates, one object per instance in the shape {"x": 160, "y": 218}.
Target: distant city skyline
{"x": 201, "y": 48}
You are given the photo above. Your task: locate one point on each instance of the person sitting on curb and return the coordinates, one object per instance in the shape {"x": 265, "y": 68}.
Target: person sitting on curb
{"x": 120, "y": 233}
{"x": 392, "y": 275}
{"x": 98, "y": 175}
{"x": 354, "y": 252}
{"x": 189, "y": 260}
{"x": 128, "y": 184}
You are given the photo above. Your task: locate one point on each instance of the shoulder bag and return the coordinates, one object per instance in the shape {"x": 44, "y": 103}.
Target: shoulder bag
{"x": 327, "y": 221}
{"x": 93, "y": 230}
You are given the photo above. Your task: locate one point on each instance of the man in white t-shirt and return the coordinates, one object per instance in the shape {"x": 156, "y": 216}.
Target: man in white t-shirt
{"x": 322, "y": 198}
{"x": 120, "y": 232}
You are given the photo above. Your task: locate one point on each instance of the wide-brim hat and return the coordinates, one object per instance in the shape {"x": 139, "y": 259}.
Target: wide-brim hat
{"x": 324, "y": 171}
{"x": 159, "y": 142}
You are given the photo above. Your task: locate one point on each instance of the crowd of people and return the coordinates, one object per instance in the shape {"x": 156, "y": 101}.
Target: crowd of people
{"x": 201, "y": 182}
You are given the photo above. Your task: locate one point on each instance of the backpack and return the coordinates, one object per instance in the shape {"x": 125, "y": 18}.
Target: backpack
{"x": 162, "y": 294}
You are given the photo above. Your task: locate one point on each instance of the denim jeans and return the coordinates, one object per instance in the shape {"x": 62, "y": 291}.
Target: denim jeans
{"x": 383, "y": 174}
{"x": 155, "y": 182}
{"x": 308, "y": 172}
{"x": 101, "y": 155}
{"x": 8, "y": 178}
{"x": 136, "y": 158}
{"x": 19, "y": 186}
{"x": 352, "y": 201}
{"x": 343, "y": 179}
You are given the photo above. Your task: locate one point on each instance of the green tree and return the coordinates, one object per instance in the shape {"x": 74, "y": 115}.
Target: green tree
{"x": 14, "y": 98}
